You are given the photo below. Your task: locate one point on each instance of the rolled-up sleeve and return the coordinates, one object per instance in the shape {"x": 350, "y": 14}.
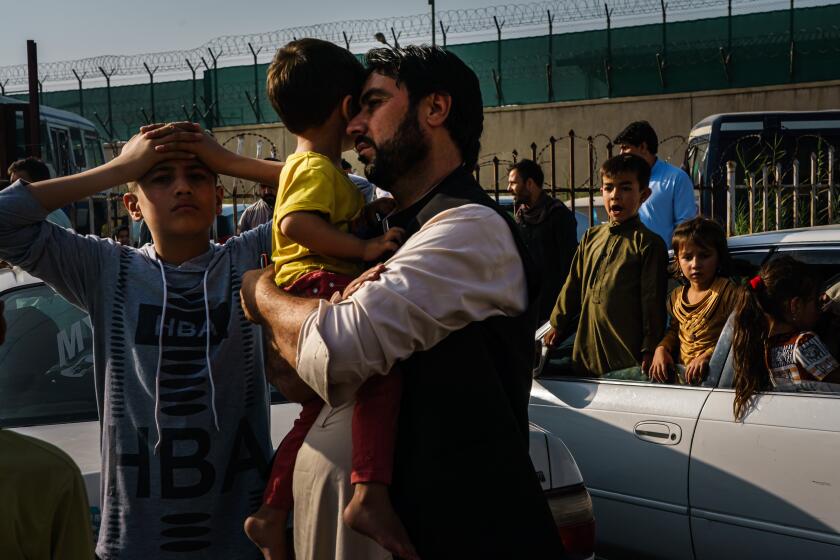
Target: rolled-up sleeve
{"x": 462, "y": 266}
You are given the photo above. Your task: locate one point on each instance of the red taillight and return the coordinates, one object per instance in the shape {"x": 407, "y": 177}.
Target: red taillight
{"x": 572, "y": 511}
{"x": 579, "y": 540}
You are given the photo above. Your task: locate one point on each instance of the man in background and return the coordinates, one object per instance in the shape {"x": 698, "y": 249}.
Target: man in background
{"x": 671, "y": 200}
{"x": 262, "y": 210}
{"x": 32, "y": 170}
{"x": 548, "y": 228}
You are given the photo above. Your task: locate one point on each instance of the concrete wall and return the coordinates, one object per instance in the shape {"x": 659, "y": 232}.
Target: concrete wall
{"x": 516, "y": 127}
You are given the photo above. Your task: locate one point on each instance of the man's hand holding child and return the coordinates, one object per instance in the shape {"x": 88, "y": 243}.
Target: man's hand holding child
{"x": 382, "y": 245}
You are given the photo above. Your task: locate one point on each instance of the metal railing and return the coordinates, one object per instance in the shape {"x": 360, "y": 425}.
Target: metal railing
{"x": 765, "y": 202}
{"x": 771, "y": 198}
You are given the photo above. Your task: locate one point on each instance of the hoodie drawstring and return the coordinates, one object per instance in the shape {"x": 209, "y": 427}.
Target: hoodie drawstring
{"x": 207, "y": 354}
{"x": 160, "y": 356}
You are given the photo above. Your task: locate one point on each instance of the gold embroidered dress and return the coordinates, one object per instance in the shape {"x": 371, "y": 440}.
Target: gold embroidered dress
{"x": 694, "y": 329}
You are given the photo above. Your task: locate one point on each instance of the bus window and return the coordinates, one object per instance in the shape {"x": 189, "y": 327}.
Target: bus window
{"x": 78, "y": 148}
{"x": 93, "y": 149}
{"x": 63, "y": 155}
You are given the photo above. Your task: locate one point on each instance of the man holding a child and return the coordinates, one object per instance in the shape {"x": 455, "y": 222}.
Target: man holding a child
{"x": 454, "y": 307}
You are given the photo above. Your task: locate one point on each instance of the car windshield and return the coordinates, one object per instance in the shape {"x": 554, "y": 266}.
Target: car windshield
{"x": 46, "y": 363}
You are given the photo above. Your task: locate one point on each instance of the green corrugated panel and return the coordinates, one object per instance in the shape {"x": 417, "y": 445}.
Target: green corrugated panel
{"x": 760, "y": 56}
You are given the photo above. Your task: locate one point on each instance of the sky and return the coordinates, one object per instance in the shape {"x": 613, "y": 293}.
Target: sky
{"x": 70, "y": 29}
{"x": 73, "y": 29}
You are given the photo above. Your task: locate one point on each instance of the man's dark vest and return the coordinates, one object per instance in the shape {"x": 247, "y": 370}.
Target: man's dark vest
{"x": 463, "y": 482}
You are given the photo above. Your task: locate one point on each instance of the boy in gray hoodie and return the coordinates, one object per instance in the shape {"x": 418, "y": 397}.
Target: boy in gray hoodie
{"x": 182, "y": 398}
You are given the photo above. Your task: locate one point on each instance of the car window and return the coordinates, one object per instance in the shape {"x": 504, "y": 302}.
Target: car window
{"x": 745, "y": 264}
{"x": 826, "y": 260}
{"x": 46, "y": 363}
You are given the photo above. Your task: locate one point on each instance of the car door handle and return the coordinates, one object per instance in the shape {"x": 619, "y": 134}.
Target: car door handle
{"x": 663, "y": 433}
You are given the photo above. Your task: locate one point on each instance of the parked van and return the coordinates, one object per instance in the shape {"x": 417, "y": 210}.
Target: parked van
{"x": 753, "y": 140}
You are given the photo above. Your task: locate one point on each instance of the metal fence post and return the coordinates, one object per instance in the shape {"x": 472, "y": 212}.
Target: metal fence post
{"x": 553, "y": 143}
{"x": 752, "y": 201}
{"x": 777, "y": 173}
{"x": 152, "y": 87}
{"x": 591, "y": 179}
{"x": 534, "y": 151}
{"x": 831, "y": 184}
{"x": 496, "y": 176}
{"x": 731, "y": 167}
{"x": 764, "y": 178}
{"x": 572, "y": 168}
{"x": 497, "y": 74}
{"x": 81, "y": 94}
{"x": 795, "y": 193}
{"x": 813, "y": 189}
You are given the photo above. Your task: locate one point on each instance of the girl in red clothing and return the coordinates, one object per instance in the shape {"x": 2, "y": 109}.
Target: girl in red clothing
{"x": 773, "y": 343}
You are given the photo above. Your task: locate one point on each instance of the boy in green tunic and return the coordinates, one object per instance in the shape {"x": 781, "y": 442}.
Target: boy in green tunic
{"x": 618, "y": 280}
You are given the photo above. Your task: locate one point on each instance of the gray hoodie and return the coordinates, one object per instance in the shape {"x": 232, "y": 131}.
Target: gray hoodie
{"x": 183, "y": 408}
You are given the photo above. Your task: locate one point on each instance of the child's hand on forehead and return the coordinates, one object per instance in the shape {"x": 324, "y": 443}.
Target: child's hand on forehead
{"x": 139, "y": 154}
{"x": 179, "y": 137}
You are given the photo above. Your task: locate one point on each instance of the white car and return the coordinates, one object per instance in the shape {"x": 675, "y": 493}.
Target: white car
{"x": 673, "y": 475}
{"x": 47, "y": 392}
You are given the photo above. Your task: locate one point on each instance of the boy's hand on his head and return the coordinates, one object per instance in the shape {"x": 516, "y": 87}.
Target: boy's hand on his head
{"x": 660, "y": 365}
{"x": 139, "y": 155}
{"x": 388, "y": 243}
{"x": 188, "y": 137}
{"x": 696, "y": 370}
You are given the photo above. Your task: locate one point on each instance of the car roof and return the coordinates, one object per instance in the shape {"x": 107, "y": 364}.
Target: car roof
{"x": 15, "y": 278}
{"x": 746, "y": 115}
{"x": 819, "y": 234}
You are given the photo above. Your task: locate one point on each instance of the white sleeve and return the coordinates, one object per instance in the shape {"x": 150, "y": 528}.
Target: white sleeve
{"x": 462, "y": 266}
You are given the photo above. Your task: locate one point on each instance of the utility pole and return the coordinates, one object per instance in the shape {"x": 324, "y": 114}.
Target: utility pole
{"x": 432, "y": 4}
{"x": 33, "y": 139}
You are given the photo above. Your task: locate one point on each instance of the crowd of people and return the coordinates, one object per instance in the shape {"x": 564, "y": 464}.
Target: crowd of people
{"x": 391, "y": 319}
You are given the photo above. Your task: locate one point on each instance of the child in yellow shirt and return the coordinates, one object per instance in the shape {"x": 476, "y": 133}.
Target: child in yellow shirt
{"x": 312, "y": 85}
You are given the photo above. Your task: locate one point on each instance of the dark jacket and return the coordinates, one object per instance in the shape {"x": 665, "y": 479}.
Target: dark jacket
{"x": 464, "y": 485}
{"x": 551, "y": 240}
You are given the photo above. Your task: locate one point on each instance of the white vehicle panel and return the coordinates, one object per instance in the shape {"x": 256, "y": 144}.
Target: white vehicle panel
{"x": 776, "y": 471}
{"x": 636, "y": 473}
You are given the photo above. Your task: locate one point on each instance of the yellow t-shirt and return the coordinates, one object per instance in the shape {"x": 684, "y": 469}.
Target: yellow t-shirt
{"x": 310, "y": 182}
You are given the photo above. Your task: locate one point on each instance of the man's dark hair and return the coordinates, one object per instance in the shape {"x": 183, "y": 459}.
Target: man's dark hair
{"x": 424, "y": 70}
{"x": 346, "y": 165}
{"x": 627, "y": 163}
{"x": 307, "y": 80}
{"x": 636, "y": 133}
{"x": 36, "y": 169}
{"x": 529, "y": 169}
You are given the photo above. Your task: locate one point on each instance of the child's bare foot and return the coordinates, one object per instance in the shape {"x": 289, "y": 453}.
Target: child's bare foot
{"x": 267, "y": 528}
{"x": 370, "y": 513}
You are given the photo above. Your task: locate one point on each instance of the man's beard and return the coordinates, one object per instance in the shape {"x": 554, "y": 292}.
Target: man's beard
{"x": 269, "y": 199}
{"x": 398, "y": 155}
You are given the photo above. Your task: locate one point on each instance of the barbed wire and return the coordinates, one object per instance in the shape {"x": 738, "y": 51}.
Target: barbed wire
{"x": 408, "y": 28}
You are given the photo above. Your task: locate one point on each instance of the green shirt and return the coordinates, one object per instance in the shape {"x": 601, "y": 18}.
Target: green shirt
{"x": 44, "y": 512}
{"x": 617, "y": 284}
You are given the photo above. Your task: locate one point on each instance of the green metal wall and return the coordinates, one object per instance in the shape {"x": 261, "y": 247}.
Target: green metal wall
{"x": 760, "y": 55}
